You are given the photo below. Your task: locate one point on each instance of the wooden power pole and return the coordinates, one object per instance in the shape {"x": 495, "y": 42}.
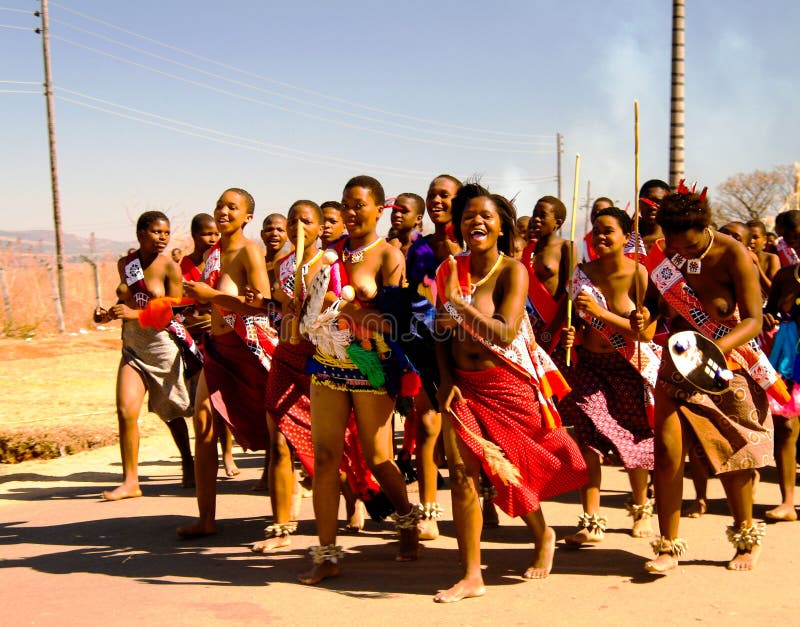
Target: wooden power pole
{"x": 51, "y": 134}
{"x": 678, "y": 103}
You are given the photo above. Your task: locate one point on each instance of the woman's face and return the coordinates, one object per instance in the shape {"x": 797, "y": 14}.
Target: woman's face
{"x": 308, "y": 217}
{"x": 689, "y": 244}
{"x": 360, "y": 212}
{"x": 607, "y": 235}
{"x": 155, "y": 237}
{"x": 440, "y": 199}
{"x": 481, "y": 225}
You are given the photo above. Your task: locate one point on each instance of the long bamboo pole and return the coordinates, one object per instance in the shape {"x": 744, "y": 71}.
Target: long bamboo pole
{"x": 572, "y": 245}
{"x": 299, "y": 253}
{"x": 636, "y": 289}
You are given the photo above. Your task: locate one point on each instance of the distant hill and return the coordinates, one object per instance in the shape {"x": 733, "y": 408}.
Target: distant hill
{"x": 43, "y": 241}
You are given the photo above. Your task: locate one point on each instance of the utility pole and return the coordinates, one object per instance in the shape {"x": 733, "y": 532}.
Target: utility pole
{"x": 51, "y": 134}
{"x": 678, "y": 103}
{"x": 587, "y": 221}
{"x": 559, "y": 152}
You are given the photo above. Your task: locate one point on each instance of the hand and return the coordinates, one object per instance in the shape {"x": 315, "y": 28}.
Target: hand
{"x": 199, "y": 291}
{"x": 770, "y": 322}
{"x": 101, "y": 315}
{"x": 452, "y": 288}
{"x": 639, "y": 319}
{"x": 252, "y": 296}
{"x": 586, "y": 303}
{"x": 123, "y": 312}
{"x": 568, "y": 337}
{"x": 447, "y": 395}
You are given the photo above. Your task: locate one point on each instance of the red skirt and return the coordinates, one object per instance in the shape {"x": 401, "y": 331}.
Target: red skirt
{"x": 503, "y": 407}
{"x": 237, "y": 387}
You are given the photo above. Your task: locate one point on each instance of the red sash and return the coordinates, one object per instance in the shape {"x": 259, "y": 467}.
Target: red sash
{"x": 681, "y": 297}
{"x": 255, "y": 331}
{"x": 786, "y": 253}
{"x": 635, "y": 241}
{"x": 591, "y": 253}
{"x": 189, "y": 270}
{"x": 545, "y": 307}
{"x": 523, "y": 355}
{"x": 650, "y": 351}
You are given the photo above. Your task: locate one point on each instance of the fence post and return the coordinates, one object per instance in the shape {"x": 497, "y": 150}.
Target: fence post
{"x": 6, "y": 298}
{"x": 56, "y": 298}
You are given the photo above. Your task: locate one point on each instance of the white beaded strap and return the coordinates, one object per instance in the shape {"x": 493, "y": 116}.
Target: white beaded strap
{"x": 409, "y": 520}
{"x": 592, "y": 522}
{"x": 745, "y": 538}
{"x": 328, "y": 553}
{"x": 637, "y": 512}
{"x": 665, "y": 546}
{"x": 280, "y": 530}
{"x": 432, "y": 511}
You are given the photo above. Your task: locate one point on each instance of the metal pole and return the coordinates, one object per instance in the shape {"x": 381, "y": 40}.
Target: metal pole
{"x": 678, "y": 106}
{"x": 559, "y": 151}
{"x": 51, "y": 134}
{"x": 587, "y": 225}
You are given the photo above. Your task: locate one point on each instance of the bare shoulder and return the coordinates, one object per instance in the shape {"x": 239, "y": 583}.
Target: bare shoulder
{"x": 514, "y": 270}
{"x": 392, "y": 254}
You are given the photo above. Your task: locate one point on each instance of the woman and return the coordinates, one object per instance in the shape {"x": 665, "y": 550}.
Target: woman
{"x": 608, "y": 406}
{"x": 339, "y": 386}
{"x": 496, "y": 390}
{"x": 151, "y": 360}
{"x": 710, "y": 284}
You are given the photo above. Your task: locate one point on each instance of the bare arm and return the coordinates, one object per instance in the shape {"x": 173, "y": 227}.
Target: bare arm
{"x": 748, "y": 299}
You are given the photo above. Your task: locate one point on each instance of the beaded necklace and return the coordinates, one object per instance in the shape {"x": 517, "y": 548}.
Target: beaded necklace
{"x": 357, "y": 256}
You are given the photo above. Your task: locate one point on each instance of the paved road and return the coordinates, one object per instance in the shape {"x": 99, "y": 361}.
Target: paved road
{"x": 69, "y": 558}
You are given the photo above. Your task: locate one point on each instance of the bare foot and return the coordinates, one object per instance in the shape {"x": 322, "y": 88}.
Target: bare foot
{"x": 270, "y": 544}
{"x": 782, "y": 512}
{"x": 464, "y": 589}
{"x": 662, "y": 564}
{"x": 262, "y": 485}
{"x": 326, "y": 570}
{"x": 696, "y": 509}
{"x": 490, "y": 518}
{"x": 642, "y": 528}
{"x": 428, "y": 529}
{"x": 231, "y": 469}
{"x": 584, "y": 536}
{"x": 745, "y": 560}
{"x": 408, "y": 550}
{"x": 122, "y": 492}
{"x": 542, "y": 562}
{"x": 305, "y": 487}
{"x": 187, "y": 481}
{"x": 198, "y": 529}
{"x": 355, "y": 518}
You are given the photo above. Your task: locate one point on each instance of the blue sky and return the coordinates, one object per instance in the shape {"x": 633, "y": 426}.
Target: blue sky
{"x": 289, "y": 100}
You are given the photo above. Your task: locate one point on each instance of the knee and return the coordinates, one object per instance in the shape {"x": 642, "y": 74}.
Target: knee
{"x": 461, "y": 483}
{"x": 430, "y": 425}
{"x": 279, "y": 449}
{"x": 326, "y": 460}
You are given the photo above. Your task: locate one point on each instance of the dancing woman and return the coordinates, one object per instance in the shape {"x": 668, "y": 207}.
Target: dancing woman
{"x": 496, "y": 390}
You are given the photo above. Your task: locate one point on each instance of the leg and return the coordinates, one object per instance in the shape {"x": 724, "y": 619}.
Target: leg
{"x": 464, "y": 472}
{"x": 354, "y": 508}
{"x": 130, "y": 394}
{"x": 330, "y": 410}
{"x": 545, "y": 539}
{"x": 281, "y": 488}
{"x": 430, "y": 428}
{"x": 670, "y": 452}
{"x": 205, "y": 465}
{"x": 591, "y": 527}
{"x": 700, "y": 481}
{"x": 180, "y": 433}
{"x": 262, "y": 485}
{"x": 739, "y": 490}
{"x": 641, "y": 509}
{"x": 226, "y": 446}
{"x": 786, "y": 430}
{"x": 373, "y": 414}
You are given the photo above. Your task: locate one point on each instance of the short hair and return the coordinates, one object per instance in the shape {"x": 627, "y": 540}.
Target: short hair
{"x": 622, "y": 218}
{"x": 200, "y": 221}
{"x": 559, "y": 210}
{"x": 417, "y": 200}
{"x": 306, "y": 203}
{"x": 681, "y": 212}
{"x": 757, "y": 224}
{"x": 148, "y": 217}
{"x": 450, "y": 178}
{"x": 270, "y": 217}
{"x": 249, "y": 203}
{"x": 505, "y": 210}
{"x": 603, "y": 199}
{"x": 331, "y": 204}
{"x": 791, "y": 219}
{"x": 654, "y": 183}
{"x": 371, "y": 184}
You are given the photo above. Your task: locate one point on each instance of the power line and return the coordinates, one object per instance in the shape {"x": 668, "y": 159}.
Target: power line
{"x": 19, "y": 91}
{"x": 15, "y": 27}
{"x": 295, "y": 111}
{"x": 302, "y": 101}
{"x": 10, "y": 10}
{"x": 21, "y": 82}
{"x": 311, "y": 92}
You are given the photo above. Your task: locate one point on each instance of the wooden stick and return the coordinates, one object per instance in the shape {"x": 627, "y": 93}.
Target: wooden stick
{"x": 572, "y": 247}
{"x": 637, "y": 295}
{"x": 299, "y": 253}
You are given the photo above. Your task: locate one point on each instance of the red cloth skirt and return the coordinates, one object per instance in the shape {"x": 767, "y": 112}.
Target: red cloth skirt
{"x": 502, "y": 407}
{"x": 237, "y": 387}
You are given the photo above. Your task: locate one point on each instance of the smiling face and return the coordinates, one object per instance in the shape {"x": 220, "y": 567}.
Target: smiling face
{"x": 231, "y": 212}
{"x": 360, "y": 212}
{"x": 481, "y": 224}
{"x": 273, "y": 233}
{"x": 308, "y": 217}
{"x": 439, "y": 200}
{"x": 608, "y": 236}
{"x": 543, "y": 222}
{"x": 155, "y": 237}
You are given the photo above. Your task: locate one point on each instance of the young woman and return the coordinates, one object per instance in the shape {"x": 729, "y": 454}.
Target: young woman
{"x": 609, "y": 403}
{"x": 710, "y": 283}
{"x": 151, "y": 360}
{"x": 339, "y": 386}
{"x": 496, "y": 390}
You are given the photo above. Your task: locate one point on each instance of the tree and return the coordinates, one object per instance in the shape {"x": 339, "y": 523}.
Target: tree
{"x": 755, "y": 195}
